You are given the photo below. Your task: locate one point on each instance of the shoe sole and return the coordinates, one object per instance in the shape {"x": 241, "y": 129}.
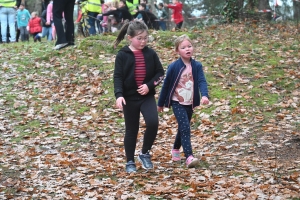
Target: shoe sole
{"x": 61, "y": 47}
{"x": 194, "y": 163}
{"x": 131, "y": 172}
{"x": 143, "y": 164}
{"x": 176, "y": 158}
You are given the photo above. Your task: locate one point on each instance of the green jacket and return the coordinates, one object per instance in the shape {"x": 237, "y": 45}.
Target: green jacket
{"x": 93, "y": 6}
{"x": 132, "y": 5}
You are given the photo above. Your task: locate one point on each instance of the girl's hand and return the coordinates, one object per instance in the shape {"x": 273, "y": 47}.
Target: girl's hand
{"x": 143, "y": 89}
{"x": 119, "y": 102}
{"x": 160, "y": 109}
{"x": 204, "y": 100}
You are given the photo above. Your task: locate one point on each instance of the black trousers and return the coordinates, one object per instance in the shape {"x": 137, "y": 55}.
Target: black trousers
{"x": 132, "y": 110}
{"x": 66, "y": 7}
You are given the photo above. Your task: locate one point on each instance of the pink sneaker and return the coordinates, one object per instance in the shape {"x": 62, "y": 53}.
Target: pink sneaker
{"x": 175, "y": 154}
{"x": 191, "y": 161}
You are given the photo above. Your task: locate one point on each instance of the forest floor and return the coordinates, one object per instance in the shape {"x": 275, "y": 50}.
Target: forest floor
{"x": 62, "y": 137}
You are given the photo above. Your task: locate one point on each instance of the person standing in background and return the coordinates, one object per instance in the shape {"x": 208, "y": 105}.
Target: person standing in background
{"x": 18, "y": 33}
{"x": 8, "y": 11}
{"x": 177, "y": 16}
{"x": 50, "y": 19}
{"x": 93, "y": 8}
{"x": 34, "y": 26}
{"x": 46, "y": 28}
{"x": 23, "y": 18}
{"x": 64, "y": 37}
{"x": 161, "y": 15}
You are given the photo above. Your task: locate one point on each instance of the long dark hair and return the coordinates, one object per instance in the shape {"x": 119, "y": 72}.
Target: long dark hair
{"x": 131, "y": 28}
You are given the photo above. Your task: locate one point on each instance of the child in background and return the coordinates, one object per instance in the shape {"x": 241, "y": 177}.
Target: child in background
{"x": 148, "y": 6}
{"x": 142, "y": 7}
{"x": 161, "y": 15}
{"x": 34, "y": 26}
{"x": 181, "y": 89}
{"x": 50, "y": 19}
{"x": 23, "y": 17}
{"x": 137, "y": 72}
{"x": 46, "y": 29}
{"x": 105, "y": 8}
{"x": 177, "y": 16}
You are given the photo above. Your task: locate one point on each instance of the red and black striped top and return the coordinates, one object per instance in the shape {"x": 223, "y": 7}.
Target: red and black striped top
{"x": 140, "y": 67}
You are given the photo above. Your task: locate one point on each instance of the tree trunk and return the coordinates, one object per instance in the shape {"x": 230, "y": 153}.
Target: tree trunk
{"x": 258, "y": 5}
{"x": 264, "y": 5}
{"x": 297, "y": 10}
{"x": 34, "y": 5}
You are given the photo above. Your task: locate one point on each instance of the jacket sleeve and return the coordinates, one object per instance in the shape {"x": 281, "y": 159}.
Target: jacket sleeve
{"x": 165, "y": 88}
{"x": 159, "y": 73}
{"x": 164, "y": 15}
{"x": 43, "y": 16}
{"x": 202, "y": 84}
{"x": 118, "y": 76}
{"x": 28, "y": 14}
{"x": 172, "y": 6}
{"x": 49, "y": 11}
{"x": 29, "y": 24}
{"x": 111, "y": 12}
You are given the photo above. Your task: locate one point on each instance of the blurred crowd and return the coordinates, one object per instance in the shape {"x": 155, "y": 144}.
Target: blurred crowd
{"x": 19, "y": 24}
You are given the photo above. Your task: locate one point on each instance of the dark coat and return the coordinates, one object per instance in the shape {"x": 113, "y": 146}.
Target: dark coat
{"x": 150, "y": 19}
{"x": 124, "y": 79}
{"x": 120, "y": 14}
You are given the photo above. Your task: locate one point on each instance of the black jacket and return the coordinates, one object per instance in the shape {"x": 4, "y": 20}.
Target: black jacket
{"x": 120, "y": 14}
{"x": 124, "y": 79}
{"x": 149, "y": 18}
{"x": 44, "y": 19}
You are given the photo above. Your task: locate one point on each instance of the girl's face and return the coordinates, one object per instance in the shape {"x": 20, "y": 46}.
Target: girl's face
{"x": 185, "y": 50}
{"x": 139, "y": 41}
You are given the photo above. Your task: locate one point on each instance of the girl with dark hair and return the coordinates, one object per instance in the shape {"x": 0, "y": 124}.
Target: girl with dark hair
{"x": 137, "y": 72}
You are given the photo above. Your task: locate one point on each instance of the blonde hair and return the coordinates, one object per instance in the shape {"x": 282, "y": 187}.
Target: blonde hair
{"x": 180, "y": 39}
{"x": 34, "y": 14}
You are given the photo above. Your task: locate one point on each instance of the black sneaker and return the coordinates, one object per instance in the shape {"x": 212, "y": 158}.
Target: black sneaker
{"x": 130, "y": 167}
{"x": 145, "y": 160}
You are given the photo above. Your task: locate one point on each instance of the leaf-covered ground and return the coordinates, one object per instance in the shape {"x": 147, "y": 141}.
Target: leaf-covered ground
{"x": 62, "y": 138}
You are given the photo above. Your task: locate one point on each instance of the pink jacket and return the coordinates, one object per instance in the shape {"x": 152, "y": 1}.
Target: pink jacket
{"x": 50, "y": 13}
{"x": 105, "y": 18}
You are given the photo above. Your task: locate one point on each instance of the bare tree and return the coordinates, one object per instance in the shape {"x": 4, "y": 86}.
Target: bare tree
{"x": 34, "y": 5}
{"x": 296, "y": 10}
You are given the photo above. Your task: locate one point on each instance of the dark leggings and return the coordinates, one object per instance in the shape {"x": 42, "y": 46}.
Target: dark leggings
{"x": 178, "y": 26}
{"x": 183, "y": 114}
{"x": 66, "y": 7}
{"x": 132, "y": 111}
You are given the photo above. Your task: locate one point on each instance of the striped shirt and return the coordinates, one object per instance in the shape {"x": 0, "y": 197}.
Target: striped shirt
{"x": 140, "y": 67}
